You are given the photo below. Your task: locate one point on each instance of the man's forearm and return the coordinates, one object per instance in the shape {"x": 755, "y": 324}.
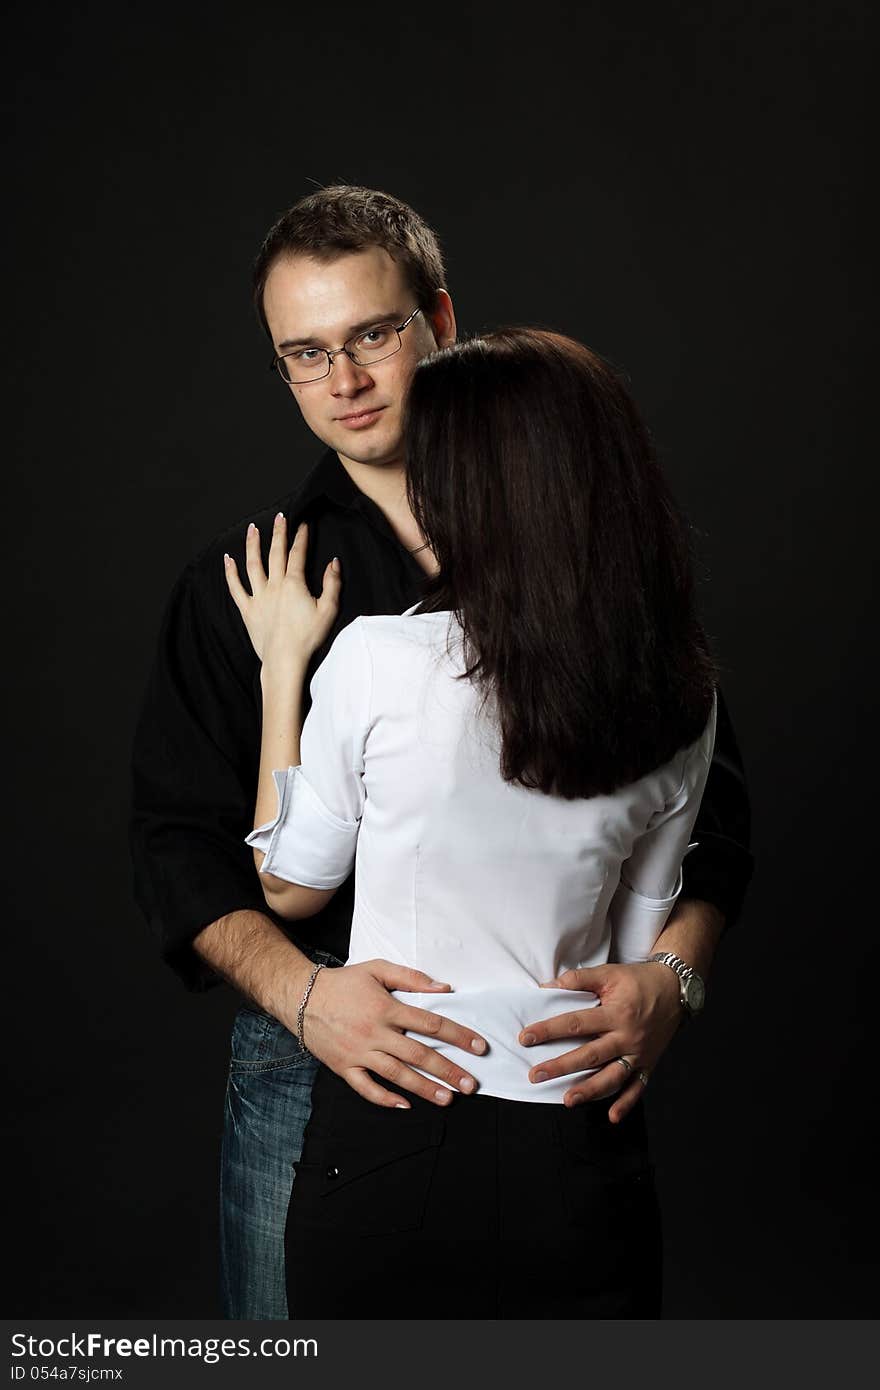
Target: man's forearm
{"x": 255, "y": 956}
{"x": 355, "y": 1022}
{"x": 693, "y": 932}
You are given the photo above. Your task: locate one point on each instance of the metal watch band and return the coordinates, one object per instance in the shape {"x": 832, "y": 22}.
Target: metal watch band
{"x": 691, "y": 989}
{"x": 681, "y": 967}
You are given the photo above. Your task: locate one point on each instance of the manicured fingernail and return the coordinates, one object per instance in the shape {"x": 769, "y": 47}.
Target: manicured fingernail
{"x": 252, "y": 527}
{"x": 466, "y": 1084}
{"x": 551, "y": 984}
{"x": 541, "y": 1076}
{"x": 225, "y": 558}
{"x": 478, "y": 1045}
{"x": 527, "y": 1039}
{"x": 400, "y": 1106}
{"x": 440, "y": 984}
{"x": 444, "y": 1097}
{"x": 279, "y": 516}
{"x": 335, "y": 565}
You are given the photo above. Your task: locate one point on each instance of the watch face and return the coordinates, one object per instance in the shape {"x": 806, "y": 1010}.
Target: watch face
{"x": 695, "y": 994}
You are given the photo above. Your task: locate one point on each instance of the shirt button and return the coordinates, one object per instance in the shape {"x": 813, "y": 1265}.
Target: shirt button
{"x": 332, "y": 1172}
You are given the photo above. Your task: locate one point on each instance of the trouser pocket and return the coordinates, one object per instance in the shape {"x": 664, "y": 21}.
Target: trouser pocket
{"x": 364, "y": 1169}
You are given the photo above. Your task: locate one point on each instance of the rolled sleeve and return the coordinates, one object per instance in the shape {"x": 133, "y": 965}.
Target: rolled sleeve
{"x": 313, "y": 839}
{"x": 305, "y": 843}
{"x": 651, "y": 878}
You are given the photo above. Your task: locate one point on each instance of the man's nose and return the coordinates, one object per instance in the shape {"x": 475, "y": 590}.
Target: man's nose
{"x": 346, "y": 377}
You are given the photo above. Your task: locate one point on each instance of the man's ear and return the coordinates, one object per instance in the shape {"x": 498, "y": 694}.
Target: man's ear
{"x": 442, "y": 320}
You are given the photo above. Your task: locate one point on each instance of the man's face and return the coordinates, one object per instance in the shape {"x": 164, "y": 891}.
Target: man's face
{"x": 308, "y": 303}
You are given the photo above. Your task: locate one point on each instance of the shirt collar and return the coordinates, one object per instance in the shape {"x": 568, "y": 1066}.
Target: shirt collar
{"x": 329, "y": 480}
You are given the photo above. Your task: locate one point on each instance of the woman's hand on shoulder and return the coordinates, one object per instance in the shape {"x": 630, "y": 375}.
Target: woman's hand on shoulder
{"x": 285, "y": 623}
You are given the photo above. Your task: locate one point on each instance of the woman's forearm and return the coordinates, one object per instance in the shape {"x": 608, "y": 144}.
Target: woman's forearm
{"x": 279, "y": 748}
{"x": 282, "y": 725}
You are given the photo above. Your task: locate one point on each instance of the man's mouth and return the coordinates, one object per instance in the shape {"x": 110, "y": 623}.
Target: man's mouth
{"x": 357, "y": 419}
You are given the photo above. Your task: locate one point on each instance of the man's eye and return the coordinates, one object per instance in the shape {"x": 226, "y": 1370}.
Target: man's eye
{"x": 375, "y": 337}
{"x": 306, "y": 355}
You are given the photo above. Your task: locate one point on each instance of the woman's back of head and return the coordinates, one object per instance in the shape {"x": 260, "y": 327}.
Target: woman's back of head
{"x": 563, "y": 555}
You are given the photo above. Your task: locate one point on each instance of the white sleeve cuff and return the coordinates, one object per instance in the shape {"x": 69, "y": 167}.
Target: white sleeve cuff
{"x": 638, "y": 920}
{"x": 305, "y": 843}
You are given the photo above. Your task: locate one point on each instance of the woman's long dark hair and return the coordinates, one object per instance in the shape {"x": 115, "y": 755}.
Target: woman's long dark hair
{"x": 563, "y": 556}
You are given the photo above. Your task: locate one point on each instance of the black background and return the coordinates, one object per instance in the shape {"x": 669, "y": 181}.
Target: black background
{"x": 680, "y": 185}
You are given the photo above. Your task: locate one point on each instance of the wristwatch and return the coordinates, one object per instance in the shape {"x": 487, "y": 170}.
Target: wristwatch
{"x": 692, "y": 990}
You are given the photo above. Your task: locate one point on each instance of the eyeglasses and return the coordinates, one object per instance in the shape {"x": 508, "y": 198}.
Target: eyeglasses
{"x": 313, "y": 364}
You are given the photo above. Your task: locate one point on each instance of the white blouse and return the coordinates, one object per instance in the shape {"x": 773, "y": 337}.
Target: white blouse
{"x": 489, "y": 886}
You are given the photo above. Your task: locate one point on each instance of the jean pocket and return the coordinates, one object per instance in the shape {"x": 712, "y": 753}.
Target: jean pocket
{"x": 366, "y": 1185}
{"x": 260, "y": 1043}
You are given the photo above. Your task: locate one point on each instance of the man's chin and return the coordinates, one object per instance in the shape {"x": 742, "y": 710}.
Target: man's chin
{"x": 376, "y": 452}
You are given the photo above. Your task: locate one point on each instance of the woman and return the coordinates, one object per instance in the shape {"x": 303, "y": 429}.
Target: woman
{"x": 516, "y": 764}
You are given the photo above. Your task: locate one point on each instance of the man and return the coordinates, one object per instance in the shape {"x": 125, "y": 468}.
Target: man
{"x": 349, "y": 286}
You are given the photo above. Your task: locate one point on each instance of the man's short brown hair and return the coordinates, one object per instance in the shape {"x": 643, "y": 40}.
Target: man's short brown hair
{"x": 345, "y": 218}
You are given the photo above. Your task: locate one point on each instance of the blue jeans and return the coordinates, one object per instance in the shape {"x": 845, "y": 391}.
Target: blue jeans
{"x": 268, "y": 1102}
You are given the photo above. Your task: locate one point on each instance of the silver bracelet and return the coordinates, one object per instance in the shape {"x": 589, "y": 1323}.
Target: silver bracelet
{"x": 301, "y": 1011}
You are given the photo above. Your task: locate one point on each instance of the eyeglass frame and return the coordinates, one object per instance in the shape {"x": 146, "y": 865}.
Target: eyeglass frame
{"x": 333, "y": 353}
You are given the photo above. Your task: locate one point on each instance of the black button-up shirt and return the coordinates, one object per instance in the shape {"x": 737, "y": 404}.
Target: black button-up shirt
{"x": 197, "y": 746}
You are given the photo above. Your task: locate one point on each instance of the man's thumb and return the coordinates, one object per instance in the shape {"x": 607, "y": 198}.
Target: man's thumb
{"x": 402, "y": 977}
{"x": 589, "y": 978}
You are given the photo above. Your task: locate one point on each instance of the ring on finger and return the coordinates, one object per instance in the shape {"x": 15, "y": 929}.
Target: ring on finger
{"x": 643, "y": 1076}
{"x": 627, "y": 1066}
